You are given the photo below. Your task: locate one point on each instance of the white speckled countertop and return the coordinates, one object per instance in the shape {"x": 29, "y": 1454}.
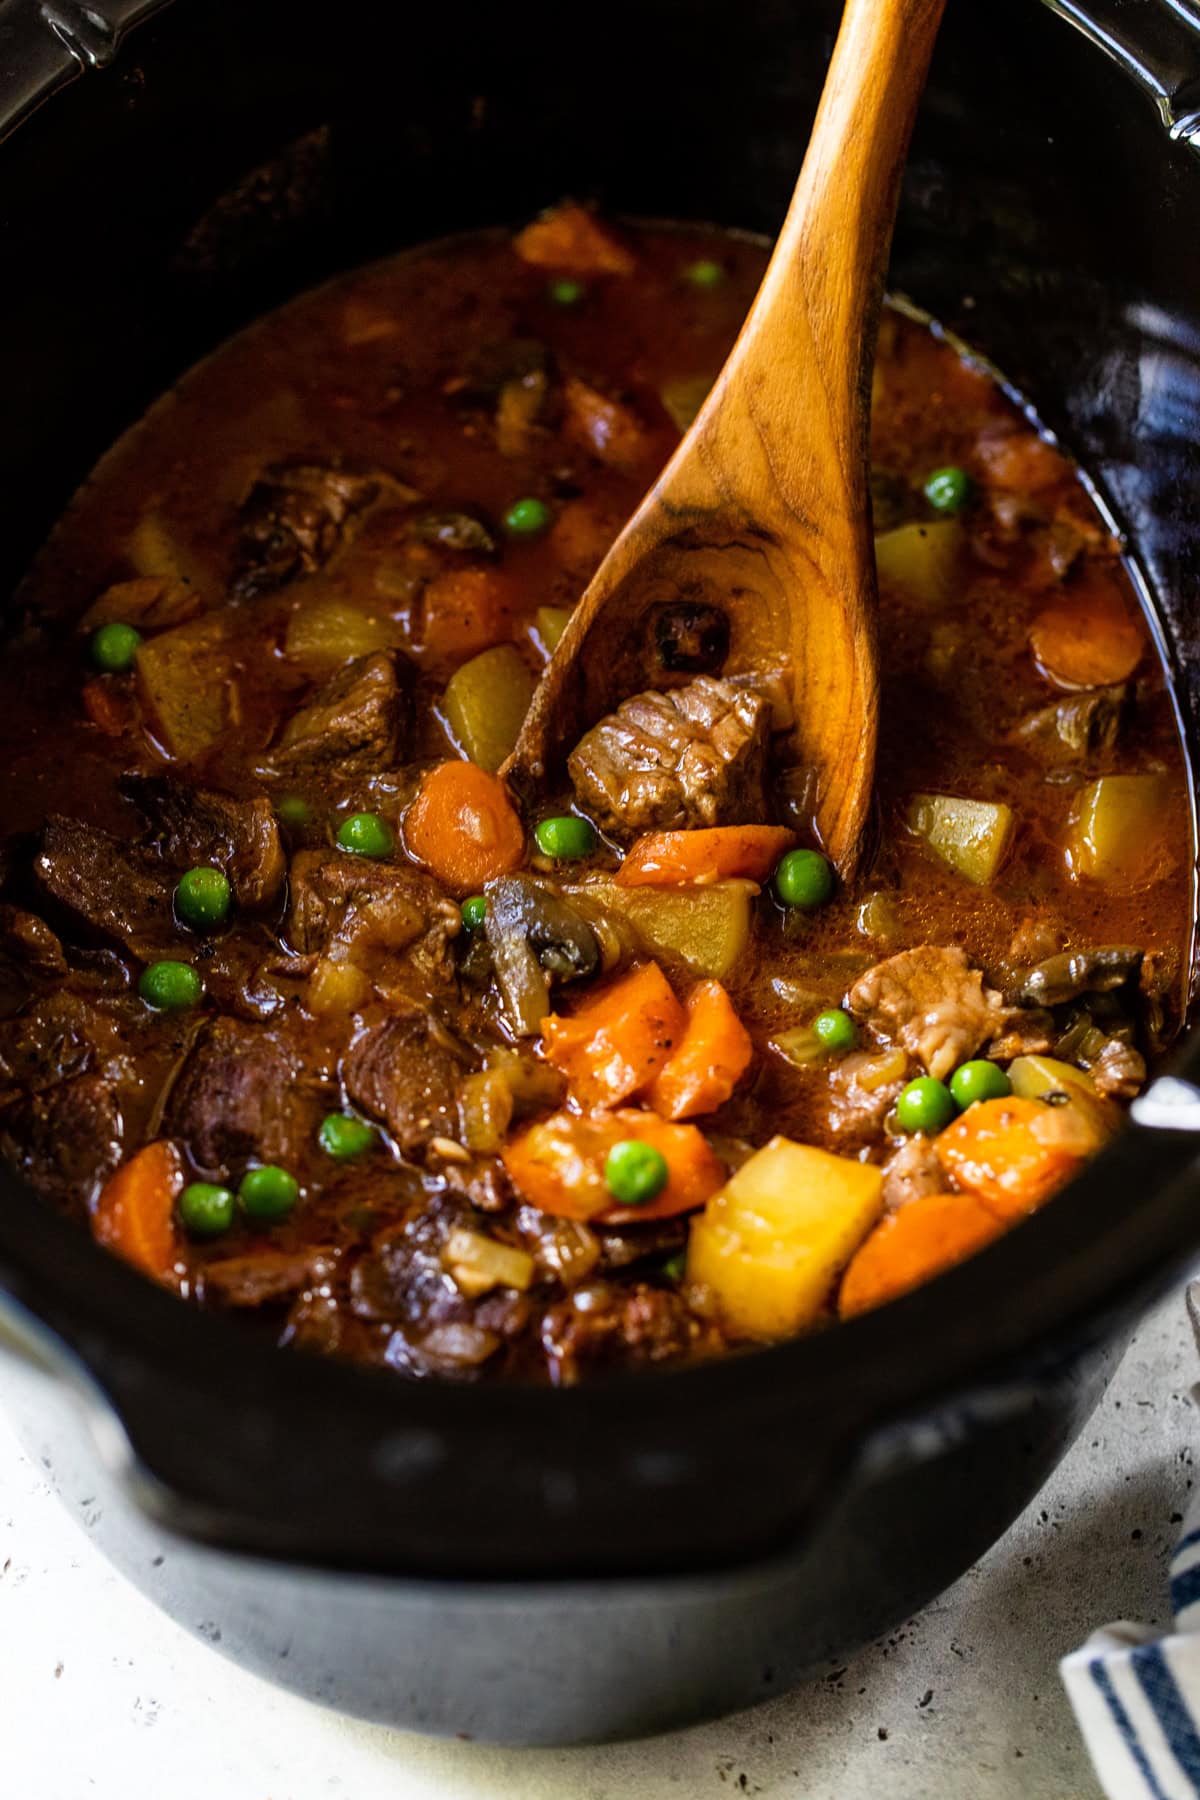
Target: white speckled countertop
{"x": 101, "y": 1696}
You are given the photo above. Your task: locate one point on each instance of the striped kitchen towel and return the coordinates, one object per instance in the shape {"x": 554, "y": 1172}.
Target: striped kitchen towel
{"x": 1136, "y": 1694}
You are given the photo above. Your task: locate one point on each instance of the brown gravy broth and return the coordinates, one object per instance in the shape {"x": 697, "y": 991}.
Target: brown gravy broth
{"x": 435, "y": 382}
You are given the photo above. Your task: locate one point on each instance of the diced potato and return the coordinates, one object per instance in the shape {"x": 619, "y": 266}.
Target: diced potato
{"x": 921, "y": 559}
{"x": 970, "y": 836}
{"x": 772, "y": 1243}
{"x": 705, "y": 928}
{"x": 337, "y": 986}
{"x": 324, "y": 634}
{"x": 477, "y": 1263}
{"x": 549, "y": 623}
{"x": 186, "y": 688}
{"x": 485, "y": 705}
{"x": 1119, "y": 833}
{"x": 485, "y": 1108}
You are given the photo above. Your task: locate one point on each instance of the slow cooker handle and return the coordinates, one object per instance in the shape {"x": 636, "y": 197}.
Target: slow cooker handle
{"x": 1157, "y": 42}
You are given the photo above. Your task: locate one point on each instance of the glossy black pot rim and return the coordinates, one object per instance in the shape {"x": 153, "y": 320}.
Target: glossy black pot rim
{"x": 221, "y": 1437}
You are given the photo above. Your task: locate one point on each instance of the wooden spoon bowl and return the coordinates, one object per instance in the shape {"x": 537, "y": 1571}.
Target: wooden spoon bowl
{"x": 762, "y": 517}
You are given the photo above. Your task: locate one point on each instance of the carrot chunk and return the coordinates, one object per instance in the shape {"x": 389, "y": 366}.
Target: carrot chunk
{"x": 463, "y": 827}
{"x": 695, "y": 858}
{"x": 1088, "y": 637}
{"x": 913, "y": 1245}
{"x": 462, "y": 612}
{"x": 711, "y": 1059}
{"x": 558, "y": 1165}
{"x": 1013, "y": 1154}
{"x": 134, "y": 1215}
{"x": 615, "y": 1045}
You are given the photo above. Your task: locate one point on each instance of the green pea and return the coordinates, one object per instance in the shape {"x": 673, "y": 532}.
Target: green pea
{"x": 980, "y": 1080}
{"x": 925, "y": 1105}
{"x": 294, "y": 812}
{"x": 675, "y": 1267}
{"x": 366, "y": 834}
{"x": 203, "y": 899}
{"x": 566, "y": 291}
{"x": 705, "y": 274}
{"x": 566, "y": 838}
{"x": 635, "y": 1172}
{"x": 526, "y": 518}
{"x": 206, "y": 1209}
{"x": 114, "y": 647}
{"x": 268, "y": 1193}
{"x": 949, "y": 490}
{"x": 343, "y": 1136}
{"x": 836, "y": 1029}
{"x": 474, "y": 911}
{"x": 803, "y": 878}
{"x": 170, "y": 986}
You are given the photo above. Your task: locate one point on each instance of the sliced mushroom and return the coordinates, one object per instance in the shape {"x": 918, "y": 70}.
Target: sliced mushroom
{"x": 1074, "y": 972}
{"x": 453, "y": 531}
{"x": 1078, "y": 726}
{"x": 534, "y": 936}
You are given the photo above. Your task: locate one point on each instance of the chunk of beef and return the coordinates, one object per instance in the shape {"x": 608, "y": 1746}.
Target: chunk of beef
{"x": 364, "y": 906}
{"x": 1030, "y": 1031}
{"x": 636, "y": 1325}
{"x": 234, "y": 1101}
{"x": 863, "y": 1088}
{"x": 1075, "y": 728}
{"x": 121, "y": 891}
{"x": 402, "y": 1278}
{"x": 1119, "y": 1071}
{"x": 30, "y": 943}
{"x": 295, "y": 517}
{"x": 264, "y": 1277}
{"x": 62, "y": 1036}
{"x": 353, "y": 720}
{"x": 66, "y": 1140}
{"x": 403, "y": 1071}
{"x": 197, "y": 825}
{"x": 693, "y": 757}
{"x": 932, "y": 1003}
{"x": 571, "y": 238}
{"x": 912, "y": 1172}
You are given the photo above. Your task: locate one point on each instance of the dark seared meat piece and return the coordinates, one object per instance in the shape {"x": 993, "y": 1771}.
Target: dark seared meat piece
{"x": 62, "y": 1035}
{"x": 348, "y": 900}
{"x": 911, "y": 1172}
{"x": 295, "y": 517}
{"x": 693, "y": 757}
{"x": 66, "y": 1140}
{"x": 121, "y": 891}
{"x": 401, "y": 1278}
{"x": 353, "y": 720}
{"x": 196, "y": 825}
{"x": 631, "y": 1325}
{"x": 234, "y": 1100}
{"x": 403, "y": 1072}
{"x": 263, "y": 1277}
{"x": 932, "y": 1003}
{"x": 30, "y": 943}
{"x": 860, "y": 1097}
{"x": 1119, "y": 1070}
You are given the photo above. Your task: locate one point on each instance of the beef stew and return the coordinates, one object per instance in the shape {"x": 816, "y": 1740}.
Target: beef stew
{"x": 303, "y": 1016}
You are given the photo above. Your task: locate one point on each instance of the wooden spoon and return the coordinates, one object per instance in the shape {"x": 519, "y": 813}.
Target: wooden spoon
{"x": 763, "y": 511}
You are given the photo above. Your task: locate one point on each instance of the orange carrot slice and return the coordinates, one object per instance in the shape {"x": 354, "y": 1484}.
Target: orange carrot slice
{"x": 134, "y": 1215}
{"x": 711, "y": 1059}
{"x": 696, "y": 858}
{"x": 614, "y": 1046}
{"x": 558, "y": 1165}
{"x": 463, "y": 827}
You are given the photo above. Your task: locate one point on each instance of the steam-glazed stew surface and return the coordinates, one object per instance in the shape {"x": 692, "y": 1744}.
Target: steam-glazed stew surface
{"x": 302, "y": 1016}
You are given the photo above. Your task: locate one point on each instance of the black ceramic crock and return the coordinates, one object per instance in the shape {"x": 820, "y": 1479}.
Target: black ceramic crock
{"x": 549, "y": 1567}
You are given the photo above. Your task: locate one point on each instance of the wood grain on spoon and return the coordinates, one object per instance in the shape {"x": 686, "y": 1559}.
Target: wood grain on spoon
{"x": 763, "y": 511}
